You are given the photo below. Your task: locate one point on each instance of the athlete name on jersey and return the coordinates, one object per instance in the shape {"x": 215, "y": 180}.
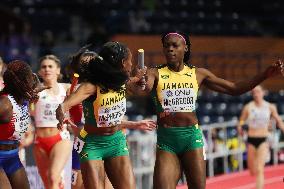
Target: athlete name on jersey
{"x": 112, "y": 115}
{"x": 49, "y": 111}
{"x": 178, "y": 99}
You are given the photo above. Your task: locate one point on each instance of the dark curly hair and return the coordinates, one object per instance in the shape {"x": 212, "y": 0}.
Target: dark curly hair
{"x": 20, "y": 81}
{"x": 186, "y": 57}
{"x": 105, "y": 68}
{"x": 79, "y": 62}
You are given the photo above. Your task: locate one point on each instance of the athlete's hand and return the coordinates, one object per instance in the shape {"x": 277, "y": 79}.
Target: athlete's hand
{"x": 60, "y": 116}
{"x": 240, "y": 131}
{"x": 33, "y": 95}
{"x": 139, "y": 78}
{"x": 63, "y": 119}
{"x": 146, "y": 125}
{"x": 275, "y": 69}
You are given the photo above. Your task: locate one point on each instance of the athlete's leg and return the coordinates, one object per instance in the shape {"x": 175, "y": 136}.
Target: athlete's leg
{"x": 251, "y": 153}
{"x": 120, "y": 173}
{"x": 167, "y": 171}
{"x": 79, "y": 181}
{"x": 42, "y": 163}
{"x": 194, "y": 167}
{"x": 93, "y": 174}
{"x": 5, "y": 184}
{"x": 261, "y": 154}
{"x": 59, "y": 155}
{"x": 108, "y": 184}
{"x": 19, "y": 179}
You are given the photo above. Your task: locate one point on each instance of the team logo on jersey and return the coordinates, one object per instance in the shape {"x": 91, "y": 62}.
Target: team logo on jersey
{"x": 169, "y": 93}
{"x": 84, "y": 155}
{"x": 165, "y": 76}
{"x": 188, "y": 74}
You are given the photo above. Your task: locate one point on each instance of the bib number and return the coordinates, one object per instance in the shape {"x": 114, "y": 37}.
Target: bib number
{"x": 78, "y": 145}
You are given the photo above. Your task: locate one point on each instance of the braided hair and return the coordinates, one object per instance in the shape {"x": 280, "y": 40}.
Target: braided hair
{"x": 20, "y": 81}
{"x": 186, "y": 57}
{"x": 104, "y": 69}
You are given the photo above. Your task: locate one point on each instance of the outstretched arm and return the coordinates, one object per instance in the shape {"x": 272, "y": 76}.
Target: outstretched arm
{"x": 276, "y": 116}
{"x": 144, "y": 125}
{"x": 134, "y": 84}
{"x": 236, "y": 88}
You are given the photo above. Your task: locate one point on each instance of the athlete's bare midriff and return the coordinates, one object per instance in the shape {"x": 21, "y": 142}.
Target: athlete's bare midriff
{"x": 258, "y": 132}
{"x": 91, "y": 129}
{"x": 177, "y": 119}
{"x": 46, "y": 131}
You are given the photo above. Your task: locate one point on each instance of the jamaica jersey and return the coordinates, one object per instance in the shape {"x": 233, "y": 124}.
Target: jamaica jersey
{"x": 176, "y": 91}
{"x": 106, "y": 109}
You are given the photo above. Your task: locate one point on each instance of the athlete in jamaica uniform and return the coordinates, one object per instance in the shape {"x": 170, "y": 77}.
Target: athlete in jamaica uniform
{"x": 101, "y": 144}
{"x": 174, "y": 88}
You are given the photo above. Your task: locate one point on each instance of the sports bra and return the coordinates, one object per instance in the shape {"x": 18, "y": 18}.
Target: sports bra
{"x": 46, "y": 105}
{"x": 176, "y": 91}
{"x": 259, "y": 117}
{"x": 19, "y": 123}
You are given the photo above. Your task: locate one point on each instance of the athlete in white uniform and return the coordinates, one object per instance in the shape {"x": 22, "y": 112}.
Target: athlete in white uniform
{"x": 52, "y": 147}
{"x": 257, "y": 114}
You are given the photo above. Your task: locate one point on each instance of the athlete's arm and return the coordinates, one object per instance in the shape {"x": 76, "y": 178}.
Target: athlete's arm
{"x": 275, "y": 115}
{"x": 215, "y": 83}
{"x": 6, "y": 110}
{"x": 84, "y": 91}
{"x": 145, "y": 125}
{"x": 243, "y": 118}
{"x": 134, "y": 88}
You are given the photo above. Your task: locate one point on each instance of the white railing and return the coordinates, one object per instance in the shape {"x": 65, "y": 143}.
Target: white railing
{"x": 142, "y": 149}
{"x": 225, "y": 152}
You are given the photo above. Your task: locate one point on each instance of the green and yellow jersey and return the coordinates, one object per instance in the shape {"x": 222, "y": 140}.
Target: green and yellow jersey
{"x": 176, "y": 91}
{"x": 106, "y": 109}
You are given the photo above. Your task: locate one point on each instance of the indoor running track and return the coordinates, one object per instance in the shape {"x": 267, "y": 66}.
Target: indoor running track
{"x": 274, "y": 176}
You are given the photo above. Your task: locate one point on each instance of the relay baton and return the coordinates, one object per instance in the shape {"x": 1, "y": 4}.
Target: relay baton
{"x": 75, "y": 79}
{"x": 141, "y": 63}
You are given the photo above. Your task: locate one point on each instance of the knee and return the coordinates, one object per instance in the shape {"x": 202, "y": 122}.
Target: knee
{"x": 53, "y": 178}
